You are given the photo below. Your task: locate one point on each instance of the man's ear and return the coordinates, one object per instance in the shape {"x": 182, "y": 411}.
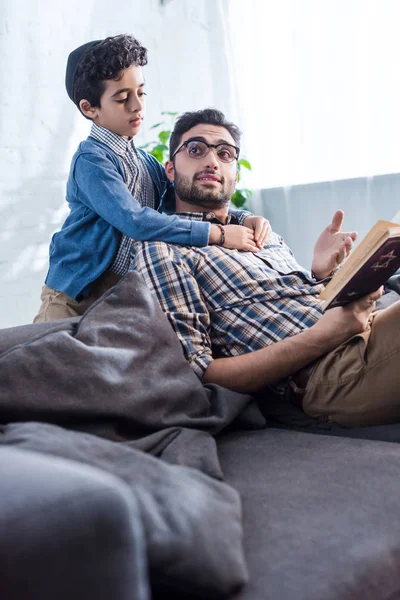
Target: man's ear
{"x": 87, "y": 109}
{"x": 170, "y": 170}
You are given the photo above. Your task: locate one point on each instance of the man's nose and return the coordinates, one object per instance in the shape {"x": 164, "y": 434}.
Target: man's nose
{"x": 211, "y": 160}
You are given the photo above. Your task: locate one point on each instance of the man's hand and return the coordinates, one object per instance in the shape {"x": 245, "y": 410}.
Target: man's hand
{"x": 332, "y": 247}
{"x": 261, "y": 228}
{"x": 340, "y": 324}
{"x": 236, "y": 236}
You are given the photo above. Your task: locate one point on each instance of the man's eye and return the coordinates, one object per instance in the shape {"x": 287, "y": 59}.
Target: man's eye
{"x": 140, "y": 94}
{"x": 123, "y": 100}
{"x": 226, "y": 153}
{"x": 193, "y": 149}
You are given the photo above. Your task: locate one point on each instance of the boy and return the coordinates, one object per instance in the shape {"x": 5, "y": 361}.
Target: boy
{"x": 114, "y": 189}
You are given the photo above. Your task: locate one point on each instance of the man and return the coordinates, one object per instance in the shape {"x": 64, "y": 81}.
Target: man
{"x": 249, "y": 321}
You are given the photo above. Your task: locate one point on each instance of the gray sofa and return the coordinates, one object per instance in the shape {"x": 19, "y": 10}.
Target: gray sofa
{"x": 321, "y": 514}
{"x": 297, "y": 516}
{"x": 67, "y": 531}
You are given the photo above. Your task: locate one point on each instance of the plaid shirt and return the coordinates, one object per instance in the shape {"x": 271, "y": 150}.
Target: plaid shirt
{"x": 138, "y": 181}
{"x": 224, "y": 302}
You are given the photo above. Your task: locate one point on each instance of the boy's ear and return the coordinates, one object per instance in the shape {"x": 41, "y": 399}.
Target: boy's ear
{"x": 170, "y": 170}
{"x": 87, "y": 109}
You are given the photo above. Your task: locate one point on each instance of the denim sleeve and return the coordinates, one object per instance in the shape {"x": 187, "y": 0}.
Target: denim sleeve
{"x": 101, "y": 188}
{"x": 240, "y": 214}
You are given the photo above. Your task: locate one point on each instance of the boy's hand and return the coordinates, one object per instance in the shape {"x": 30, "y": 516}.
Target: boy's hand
{"x": 261, "y": 228}
{"x": 236, "y": 236}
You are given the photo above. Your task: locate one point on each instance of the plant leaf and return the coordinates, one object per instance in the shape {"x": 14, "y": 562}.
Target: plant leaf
{"x": 161, "y": 148}
{"x": 246, "y": 193}
{"x": 157, "y": 125}
{"x": 157, "y": 154}
{"x": 168, "y": 112}
{"x": 238, "y": 199}
{"x": 163, "y": 136}
{"x": 242, "y": 162}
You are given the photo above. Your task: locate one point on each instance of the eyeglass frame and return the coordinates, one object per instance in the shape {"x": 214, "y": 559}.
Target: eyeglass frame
{"x": 209, "y": 146}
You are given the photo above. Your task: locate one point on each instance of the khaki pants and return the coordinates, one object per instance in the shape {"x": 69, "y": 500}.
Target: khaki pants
{"x": 358, "y": 384}
{"x": 57, "y": 305}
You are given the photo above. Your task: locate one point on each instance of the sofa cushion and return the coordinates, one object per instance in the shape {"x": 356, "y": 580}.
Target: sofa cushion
{"x": 321, "y": 514}
{"x": 67, "y": 531}
{"x": 120, "y": 362}
{"x": 192, "y": 523}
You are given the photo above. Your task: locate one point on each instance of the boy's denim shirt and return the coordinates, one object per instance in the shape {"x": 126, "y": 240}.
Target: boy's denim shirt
{"x": 101, "y": 208}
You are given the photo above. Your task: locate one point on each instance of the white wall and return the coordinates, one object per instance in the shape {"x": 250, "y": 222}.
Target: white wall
{"x": 40, "y": 127}
{"x": 318, "y": 84}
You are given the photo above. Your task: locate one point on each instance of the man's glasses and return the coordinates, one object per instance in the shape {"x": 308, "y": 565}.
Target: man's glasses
{"x": 198, "y": 149}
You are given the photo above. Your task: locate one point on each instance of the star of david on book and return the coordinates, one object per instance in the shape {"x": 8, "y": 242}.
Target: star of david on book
{"x": 383, "y": 265}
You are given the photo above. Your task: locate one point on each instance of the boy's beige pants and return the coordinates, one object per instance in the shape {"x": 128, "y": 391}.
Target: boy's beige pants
{"x": 358, "y": 384}
{"x": 57, "y": 305}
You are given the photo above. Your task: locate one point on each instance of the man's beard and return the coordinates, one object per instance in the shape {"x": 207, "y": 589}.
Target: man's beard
{"x": 196, "y": 194}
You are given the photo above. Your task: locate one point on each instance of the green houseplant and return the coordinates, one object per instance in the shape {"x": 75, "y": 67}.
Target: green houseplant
{"x": 159, "y": 149}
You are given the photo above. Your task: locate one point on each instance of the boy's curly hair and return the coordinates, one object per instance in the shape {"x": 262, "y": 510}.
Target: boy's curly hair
{"x": 106, "y": 60}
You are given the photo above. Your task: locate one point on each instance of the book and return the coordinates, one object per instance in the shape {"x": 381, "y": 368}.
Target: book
{"x": 368, "y": 267}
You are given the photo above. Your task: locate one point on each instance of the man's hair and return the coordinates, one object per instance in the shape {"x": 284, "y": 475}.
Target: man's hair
{"x": 106, "y": 60}
{"x": 208, "y": 116}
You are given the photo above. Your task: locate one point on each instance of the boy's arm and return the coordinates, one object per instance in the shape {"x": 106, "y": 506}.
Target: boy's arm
{"x": 260, "y": 227}
{"x": 239, "y": 214}
{"x": 100, "y": 187}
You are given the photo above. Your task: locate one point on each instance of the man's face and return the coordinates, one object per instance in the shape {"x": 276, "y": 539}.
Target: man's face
{"x": 206, "y": 182}
{"x": 121, "y": 104}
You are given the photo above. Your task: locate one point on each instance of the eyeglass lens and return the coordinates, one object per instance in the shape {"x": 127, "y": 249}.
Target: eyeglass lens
{"x": 198, "y": 149}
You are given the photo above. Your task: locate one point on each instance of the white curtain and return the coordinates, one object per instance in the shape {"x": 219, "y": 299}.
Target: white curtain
{"x": 318, "y": 88}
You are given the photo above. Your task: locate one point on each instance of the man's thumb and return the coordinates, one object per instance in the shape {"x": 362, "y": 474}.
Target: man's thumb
{"x": 337, "y": 220}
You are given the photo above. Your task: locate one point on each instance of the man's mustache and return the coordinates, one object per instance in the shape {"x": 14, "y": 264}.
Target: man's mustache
{"x": 209, "y": 172}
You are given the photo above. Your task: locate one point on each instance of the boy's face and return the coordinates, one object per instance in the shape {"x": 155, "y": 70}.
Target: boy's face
{"x": 121, "y": 104}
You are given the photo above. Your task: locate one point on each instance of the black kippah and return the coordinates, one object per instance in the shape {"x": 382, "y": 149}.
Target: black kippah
{"x": 72, "y": 64}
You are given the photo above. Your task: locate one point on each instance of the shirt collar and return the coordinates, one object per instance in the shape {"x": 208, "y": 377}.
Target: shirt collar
{"x": 117, "y": 143}
{"x": 206, "y": 216}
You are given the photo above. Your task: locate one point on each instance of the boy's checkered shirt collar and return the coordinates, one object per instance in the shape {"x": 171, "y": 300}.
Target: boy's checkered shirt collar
{"x": 116, "y": 142}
